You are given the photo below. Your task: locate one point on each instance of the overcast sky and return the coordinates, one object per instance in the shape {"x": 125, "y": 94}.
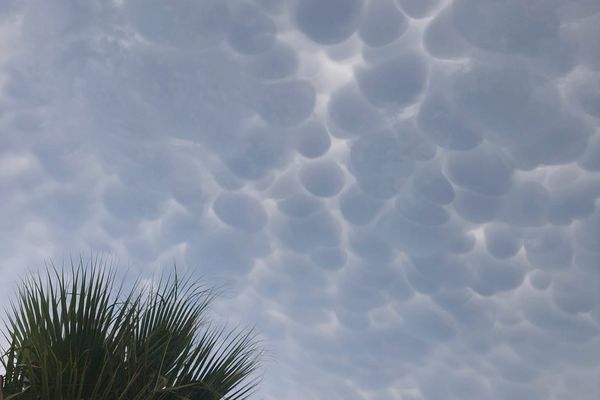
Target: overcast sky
{"x": 401, "y": 195}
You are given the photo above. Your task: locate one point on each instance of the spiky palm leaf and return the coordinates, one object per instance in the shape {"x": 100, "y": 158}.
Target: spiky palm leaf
{"x": 76, "y": 337}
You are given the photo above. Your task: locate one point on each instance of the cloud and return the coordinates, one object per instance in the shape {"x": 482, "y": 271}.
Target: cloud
{"x": 379, "y": 164}
{"x": 401, "y": 195}
{"x": 483, "y": 170}
{"x": 502, "y": 241}
{"x": 418, "y": 9}
{"x": 278, "y": 62}
{"x": 286, "y": 103}
{"x": 330, "y": 22}
{"x": 352, "y": 114}
{"x": 382, "y": 24}
{"x": 396, "y": 82}
{"x": 506, "y": 27}
{"x": 240, "y": 211}
{"x": 322, "y": 178}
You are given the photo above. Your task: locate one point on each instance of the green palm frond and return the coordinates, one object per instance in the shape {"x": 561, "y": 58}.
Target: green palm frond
{"x": 75, "y": 336}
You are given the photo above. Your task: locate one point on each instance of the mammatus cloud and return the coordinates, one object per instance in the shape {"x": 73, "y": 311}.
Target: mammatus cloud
{"x": 402, "y": 196}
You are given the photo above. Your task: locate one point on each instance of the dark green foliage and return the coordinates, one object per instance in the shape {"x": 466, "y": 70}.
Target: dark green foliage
{"x": 76, "y": 337}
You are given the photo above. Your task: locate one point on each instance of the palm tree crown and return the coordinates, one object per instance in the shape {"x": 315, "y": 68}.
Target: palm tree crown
{"x": 78, "y": 337}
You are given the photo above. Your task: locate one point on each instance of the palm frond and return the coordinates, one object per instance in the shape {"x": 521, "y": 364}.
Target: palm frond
{"x": 73, "y": 336}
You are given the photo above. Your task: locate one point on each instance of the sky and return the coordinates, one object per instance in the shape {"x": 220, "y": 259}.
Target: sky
{"x": 401, "y": 196}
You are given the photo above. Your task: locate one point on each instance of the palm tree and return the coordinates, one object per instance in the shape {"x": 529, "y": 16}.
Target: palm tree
{"x": 79, "y": 337}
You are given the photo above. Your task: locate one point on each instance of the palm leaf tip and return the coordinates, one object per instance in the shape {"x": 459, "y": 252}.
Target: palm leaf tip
{"x": 72, "y": 335}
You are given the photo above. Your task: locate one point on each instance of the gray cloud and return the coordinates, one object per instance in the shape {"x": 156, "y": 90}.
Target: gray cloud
{"x": 402, "y": 196}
